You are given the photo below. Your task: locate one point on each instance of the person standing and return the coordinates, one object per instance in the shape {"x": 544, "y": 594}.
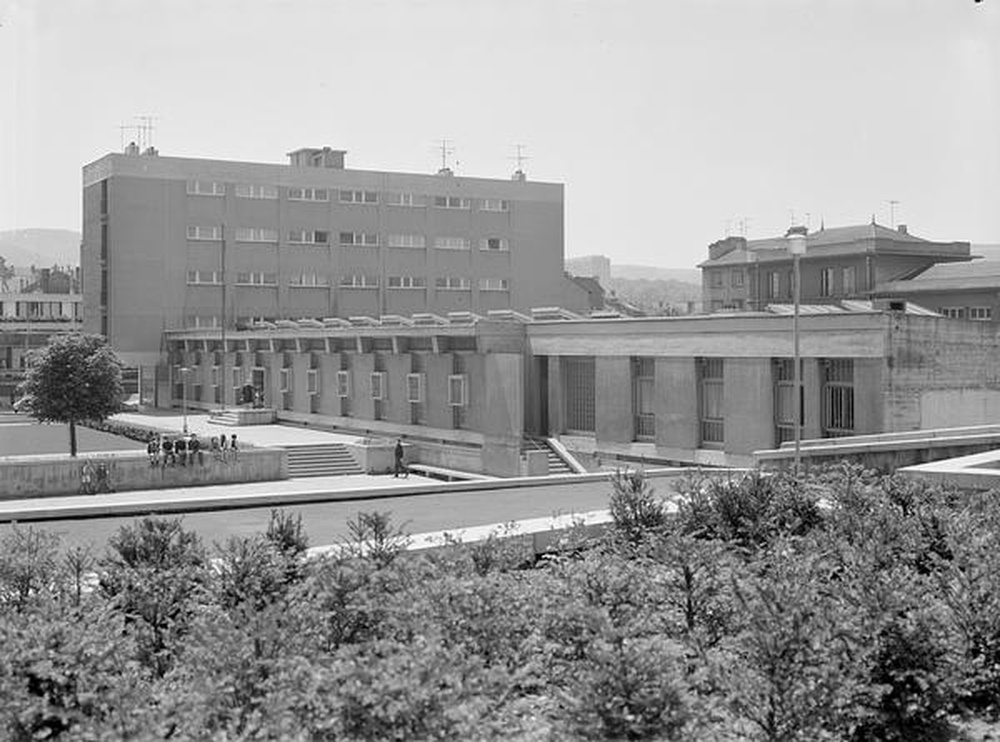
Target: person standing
{"x": 180, "y": 450}
{"x": 233, "y": 447}
{"x": 400, "y": 468}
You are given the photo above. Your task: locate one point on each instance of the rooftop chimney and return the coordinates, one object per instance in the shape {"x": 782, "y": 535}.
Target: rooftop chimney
{"x": 316, "y": 157}
{"x": 519, "y": 176}
{"x": 902, "y": 229}
{"x": 131, "y": 148}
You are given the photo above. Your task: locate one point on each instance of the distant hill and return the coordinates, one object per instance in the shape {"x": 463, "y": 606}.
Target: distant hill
{"x": 40, "y": 247}
{"x": 655, "y": 295}
{"x": 684, "y": 275}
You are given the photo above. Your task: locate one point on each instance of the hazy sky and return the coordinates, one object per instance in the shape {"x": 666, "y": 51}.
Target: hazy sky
{"x": 665, "y": 119}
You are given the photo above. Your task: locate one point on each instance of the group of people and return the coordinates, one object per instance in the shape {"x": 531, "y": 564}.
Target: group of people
{"x": 188, "y": 449}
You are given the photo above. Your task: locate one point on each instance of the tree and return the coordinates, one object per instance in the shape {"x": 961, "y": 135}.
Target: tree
{"x": 74, "y": 378}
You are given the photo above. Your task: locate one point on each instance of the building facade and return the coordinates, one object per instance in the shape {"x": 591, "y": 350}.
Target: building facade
{"x": 960, "y": 291}
{"x": 172, "y": 243}
{"x": 839, "y": 263}
{"x": 698, "y": 390}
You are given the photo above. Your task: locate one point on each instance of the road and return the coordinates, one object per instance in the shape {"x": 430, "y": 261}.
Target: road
{"x": 326, "y": 523}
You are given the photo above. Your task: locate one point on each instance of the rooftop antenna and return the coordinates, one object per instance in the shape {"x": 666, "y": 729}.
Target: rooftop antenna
{"x": 791, "y": 218}
{"x": 122, "y": 128}
{"x": 519, "y": 156}
{"x": 743, "y": 224}
{"x": 808, "y": 221}
{"x": 892, "y": 212}
{"x": 446, "y": 149}
{"x": 145, "y": 127}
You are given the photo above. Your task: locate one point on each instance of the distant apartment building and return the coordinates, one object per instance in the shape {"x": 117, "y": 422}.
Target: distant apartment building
{"x": 590, "y": 266}
{"x": 839, "y": 263}
{"x": 172, "y": 243}
{"x": 960, "y": 291}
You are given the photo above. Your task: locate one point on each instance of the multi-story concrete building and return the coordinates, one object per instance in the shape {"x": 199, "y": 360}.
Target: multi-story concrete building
{"x": 707, "y": 390}
{"x": 839, "y": 263}
{"x": 960, "y": 290}
{"x": 172, "y": 243}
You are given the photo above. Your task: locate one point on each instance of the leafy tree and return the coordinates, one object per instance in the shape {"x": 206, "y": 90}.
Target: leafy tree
{"x": 74, "y": 378}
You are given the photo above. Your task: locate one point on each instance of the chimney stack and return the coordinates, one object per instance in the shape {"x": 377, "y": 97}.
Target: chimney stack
{"x": 902, "y": 229}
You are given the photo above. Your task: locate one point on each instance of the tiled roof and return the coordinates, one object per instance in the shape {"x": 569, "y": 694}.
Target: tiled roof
{"x": 976, "y": 274}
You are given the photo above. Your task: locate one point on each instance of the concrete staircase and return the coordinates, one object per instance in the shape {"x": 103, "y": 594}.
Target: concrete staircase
{"x": 320, "y": 460}
{"x": 227, "y": 417}
{"x": 556, "y": 463}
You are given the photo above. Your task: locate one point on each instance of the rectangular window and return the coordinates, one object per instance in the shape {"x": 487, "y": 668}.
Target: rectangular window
{"x": 452, "y": 282}
{"x": 450, "y": 202}
{"x": 494, "y": 204}
{"x": 579, "y": 376}
{"x": 414, "y": 388}
{"x": 711, "y": 402}
{"x": 494, "y": 284}
{"x": 307, "y": 280}
{"x": 206, "y": 188}
{"x": 715, "y": 279}
{"x": 404, "y": 199}
{"x": 358, "y": 197}
{"x": 284, "y": 379}
{"x": 773, "y": 285}
{"x": 642, "y": 398}
{"x": 953, "y": 312}
{"x": 981, "y": 314}
{"x": 215, "y": 376}
{"x": 256, "y": 234}
{"x": 850, "y": 278}
{"x": 378, "y": 385}
{"x": 737, "y": 278}
{"x": 343, "y": 384}
{"x": 256, "y": 279}
{"x": 406, "y": 240}
{"x": 838, "y": 397}
{"x": 497, "y": 244}
{"x": 237, "y": 377}
{"x": 204, "y": 233}
{"x": 458, "y": 390}
{"x": 308, "y": 194}
{"x": 212, "y": 278}
{"x": 259, "y": 191}
{"x": 201, "y": 321}
{"x": 312, "y": 381}
{"x": 308, "y": 237}
{"x": 407, "y": 282}
{"x": 783, "y": 373}
{"x": 358, "y": 239}
{"x": 451, "y": 243}
{"x": 359, "y": 282}
{"x": 826, "y": 287}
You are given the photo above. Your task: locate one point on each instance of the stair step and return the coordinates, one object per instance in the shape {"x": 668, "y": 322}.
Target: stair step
{"x": 321, "y": 460}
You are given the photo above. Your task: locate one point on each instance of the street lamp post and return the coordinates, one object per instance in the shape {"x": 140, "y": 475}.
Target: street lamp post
{"x": 184, "y": 406}
{"x": 796, "y": 237}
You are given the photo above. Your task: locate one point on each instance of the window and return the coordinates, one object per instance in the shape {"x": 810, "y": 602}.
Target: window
{"x": 343, "y": 384}
{"x": 205, "y": 188}
{"x": 406, "y": 240}
{"x": 710, "y": 402}
{"x": 308, "y": 237}
{"x": 458, "y": 390}
{"x": 826, "y": 287}
{"x": 312, "y": 381}
{"x": 307, "y": 280}
{"x": 953, "y": 312}
{"x": 284, "y": 379}
{"x": 204, "y": 233}
{"x": 773, "y": 285}
{"x": 308, "y": 194}
{"x": 358, "y": 197}
{"x": 407, "y": 282}
{"x": 359, "y": 282}
{"x": 256, "y": 234}
{"x": 415, "y": 388}
{"x": 451, "y": 282}
{"x": 257, "y": 279}
{"x": 252, "y": 190}
{"x": 237, "y": 377}
{"x": 404, "y": 199}
{"x": 494, "y": 284}
{"x": 359, "y": 239}
{"x": 737, "y": 278}
{"x": 201, "y": 321}
{"x": 783, "y": 373}
{"x": 498, "y": 244}
{"x": 981, "y": 314}
{"x": 838, "y": 397}
{"x": 450, "y": 202}
{"x": 204, "y": 277}
{"x": 494, "y": 204}
{"x": 642, "y": 398}
{"x": 715, "y": 279}
{"x": 451, "y": 243}
{"x": 850, "y": 278}
{"x": 579, "y": 376}
{"x": 378, "y": 385}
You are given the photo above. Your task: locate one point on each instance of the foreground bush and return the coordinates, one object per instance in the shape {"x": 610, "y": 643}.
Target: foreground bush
{"x": 846, "y": 606}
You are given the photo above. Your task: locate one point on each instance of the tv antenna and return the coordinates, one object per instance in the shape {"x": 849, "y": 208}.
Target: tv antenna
{"x": 519, "y": 157}
{"x": 141, "y": 130}
{"x": 892, "y": 212}
{"x": 446, "y": 148}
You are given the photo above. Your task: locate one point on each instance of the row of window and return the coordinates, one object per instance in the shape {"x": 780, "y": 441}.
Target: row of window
{"x": 347, "y": 239}
{"x": 344, "y": 196}
{"x": 980, "y": 314}
{"x": 315, "y": 280}
{"x": 836, "y": 402}
{"x": 773, "y": 288}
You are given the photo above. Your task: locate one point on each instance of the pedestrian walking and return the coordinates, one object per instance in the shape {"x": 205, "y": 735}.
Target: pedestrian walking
{"x": 400, "y": 467}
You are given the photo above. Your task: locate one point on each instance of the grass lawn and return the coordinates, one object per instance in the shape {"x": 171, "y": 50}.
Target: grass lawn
{"x": 20, "y": 436}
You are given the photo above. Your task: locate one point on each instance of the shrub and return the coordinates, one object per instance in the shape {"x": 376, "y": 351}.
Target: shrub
{"x": 373, "y": 536}
{"x": 635, "y": 512}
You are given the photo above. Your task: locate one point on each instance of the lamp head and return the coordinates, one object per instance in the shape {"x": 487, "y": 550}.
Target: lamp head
{"x": 796, "y": 237}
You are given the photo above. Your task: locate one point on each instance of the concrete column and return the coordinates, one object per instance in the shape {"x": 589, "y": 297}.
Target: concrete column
{"x": 329, "y": 402}
{"x": 362, "y": 405}
{"x": 613, "y": 399}
{"x": 396, "y": 408}
{"x": 869, "y": 402}
{"x": 437, "y": 412}
{"x": 812, "y": 395}
{"x": 748, "y": 402}
{"x": 299, "y": 382}
{"x": 676, "y": 403}
{"x": 503, "y": 396}
{"x": 557, "y": 411}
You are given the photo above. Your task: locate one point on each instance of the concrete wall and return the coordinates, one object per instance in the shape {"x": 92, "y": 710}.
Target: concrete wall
{"x": 676, "y": 397}
{"x": 748, "y": 399}
{"x": 613, "y": 417}
{"x": 36, "y": 476}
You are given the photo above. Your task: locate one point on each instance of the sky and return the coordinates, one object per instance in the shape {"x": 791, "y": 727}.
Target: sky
{"x": 671, "y": 123}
